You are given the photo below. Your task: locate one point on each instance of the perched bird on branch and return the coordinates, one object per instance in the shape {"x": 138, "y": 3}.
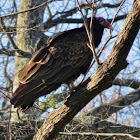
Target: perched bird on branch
{"x": 62, "y": 61}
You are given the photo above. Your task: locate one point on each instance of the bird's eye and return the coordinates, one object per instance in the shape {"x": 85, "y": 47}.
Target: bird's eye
{"x": 102, "y": 22}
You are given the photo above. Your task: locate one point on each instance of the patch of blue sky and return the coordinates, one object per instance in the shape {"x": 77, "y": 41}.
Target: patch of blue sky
{"x": 7, "y": 6}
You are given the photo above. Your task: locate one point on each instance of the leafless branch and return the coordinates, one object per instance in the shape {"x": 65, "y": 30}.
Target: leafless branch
{"x": 7, "y": 52}
{"x": 117, "y": 11}
{"x": 53, "y": 22}
{"x": 1, "y": 91}
{"x": 106, "y": 110}
{"x": 31, "y": 9}
{"x": 93, "y": 124}
{"x": 100, "y": 135}
{"x": 90, "y": 34}
{"x": 24, "y": 132}
{"x": 127, "y": 82}
{"x": 20, "y": 52}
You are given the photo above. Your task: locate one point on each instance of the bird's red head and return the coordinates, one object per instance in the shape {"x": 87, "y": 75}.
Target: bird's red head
{"x": 104, "y": 23}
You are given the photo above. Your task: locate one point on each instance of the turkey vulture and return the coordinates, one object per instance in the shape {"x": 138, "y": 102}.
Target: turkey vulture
{"x": 62, "y": 61}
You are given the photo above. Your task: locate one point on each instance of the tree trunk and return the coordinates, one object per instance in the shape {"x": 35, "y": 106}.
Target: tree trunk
{"x": 29, "y": 25}
{"x": 99, "y": 81}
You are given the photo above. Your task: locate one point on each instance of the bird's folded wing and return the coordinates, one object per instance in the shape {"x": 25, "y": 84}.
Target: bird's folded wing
{"x": 57, "y": 62}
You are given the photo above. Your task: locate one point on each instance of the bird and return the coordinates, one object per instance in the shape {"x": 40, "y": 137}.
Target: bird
{"x": 63, "y": 60}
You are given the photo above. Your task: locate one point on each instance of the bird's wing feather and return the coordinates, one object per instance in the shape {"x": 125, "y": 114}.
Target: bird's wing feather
{"x": 56, "y": 62}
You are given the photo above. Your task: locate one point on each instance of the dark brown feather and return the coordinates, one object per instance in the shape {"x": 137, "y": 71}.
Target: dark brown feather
{"x": 63, "y": 60}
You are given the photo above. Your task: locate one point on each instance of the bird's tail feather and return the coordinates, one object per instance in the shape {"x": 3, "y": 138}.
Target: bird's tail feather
{"x": 26, "y": 94}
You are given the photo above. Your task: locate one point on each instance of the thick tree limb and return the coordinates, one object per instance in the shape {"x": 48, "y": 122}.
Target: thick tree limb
{"x": 106, "y": 110}
{"x": 99, "y": 81}
{"x": 123, "y": 101}
{"x": 127, "y": 82}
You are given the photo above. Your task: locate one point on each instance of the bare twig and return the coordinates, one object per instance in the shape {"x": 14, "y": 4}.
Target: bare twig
{"x": 8, "y": 35}
{"x": 91, "y": 38}
{"x": 31, "y": 9}
{"x": 49, "y": 11}
{"x": 10, "y": 39}
{"x": 97, "y": 135}
{"x": 117, "y": 11}
{"x": 106, "y": 110}
{"x": 90, "y": 34}
{"x": 4, "y": 94}
{"x": 93, "y": 48}
{"x": 7, "y": 52}
{"x": 109, "y": 38}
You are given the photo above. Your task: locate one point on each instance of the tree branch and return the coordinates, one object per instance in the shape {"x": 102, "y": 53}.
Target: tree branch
{"x": 99, "y": 126}
{"x": 126, "y": 82}
{"x": 31, "y": 9}
{"x": 7, "y": 52}
{"x": 99, "y": 81}
{"x": 51, "y": 23}
{"x": 106, "y": 110}
{"x": 11, "y": 41}
{"x": 98, "y": 135}
{"x": 63, "y": 18}
{"x": 28, "y": 128}
{"x": 41, "y": 42}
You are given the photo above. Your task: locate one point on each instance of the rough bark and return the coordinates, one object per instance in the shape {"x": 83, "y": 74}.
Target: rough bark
{"x": 99, "y": 81}
{"x": 32, "y": 22}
